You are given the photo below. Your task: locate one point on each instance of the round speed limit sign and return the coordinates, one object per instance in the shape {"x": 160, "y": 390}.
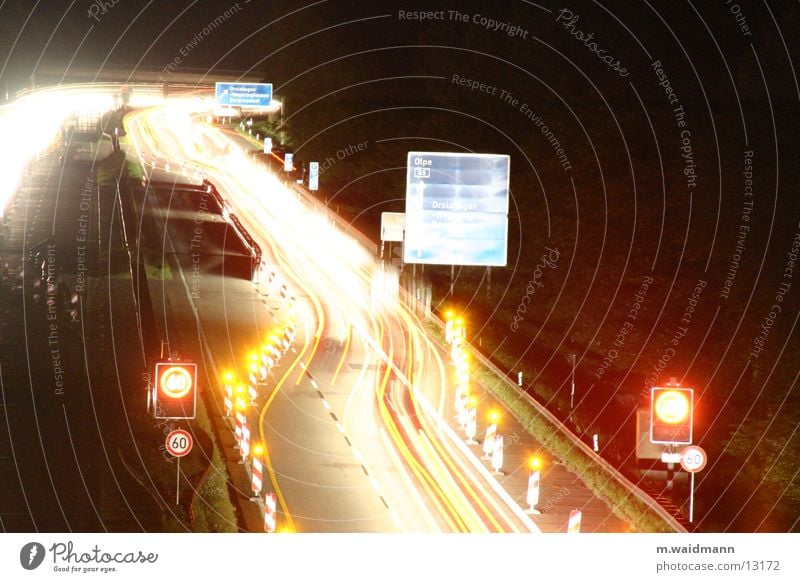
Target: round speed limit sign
{"x": 179, "y": 443}
{"x": 693, "y": 459}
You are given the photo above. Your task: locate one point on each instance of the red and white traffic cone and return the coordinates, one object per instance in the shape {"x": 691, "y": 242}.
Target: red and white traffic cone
{"x": 574, "y": 523}
{"x": 270, "y": 513}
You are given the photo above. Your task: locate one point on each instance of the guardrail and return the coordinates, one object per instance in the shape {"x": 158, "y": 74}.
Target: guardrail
{"x": 607, "y": 467}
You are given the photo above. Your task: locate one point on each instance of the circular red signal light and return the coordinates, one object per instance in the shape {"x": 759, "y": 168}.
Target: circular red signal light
{"x": 672, "y": 407}
{"x": 175, "y": 382}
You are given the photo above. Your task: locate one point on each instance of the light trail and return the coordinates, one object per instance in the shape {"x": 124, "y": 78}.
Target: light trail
{"x": 335, "y": 274}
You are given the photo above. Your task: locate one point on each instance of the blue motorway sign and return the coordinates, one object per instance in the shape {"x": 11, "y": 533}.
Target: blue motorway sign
{"x": 456, "y": 209}
{"x": 313, "y": 176}
{"x": 244, "y": 94}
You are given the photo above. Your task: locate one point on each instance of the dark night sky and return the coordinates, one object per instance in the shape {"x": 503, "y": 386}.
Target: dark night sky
{"x": 359, "y": 71}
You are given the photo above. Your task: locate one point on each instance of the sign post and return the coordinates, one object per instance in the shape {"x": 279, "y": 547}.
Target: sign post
{"x": 313, "y": 175}
{"x": 693, "y": 460}
{"x": 179, "y": 443}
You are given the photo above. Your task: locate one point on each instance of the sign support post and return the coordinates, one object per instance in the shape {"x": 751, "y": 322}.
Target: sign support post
{"x": 693, "y": 460}
{"x": 179, "y": 443}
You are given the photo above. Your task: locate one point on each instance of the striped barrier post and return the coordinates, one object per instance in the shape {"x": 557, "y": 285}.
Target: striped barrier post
{"x": 238, "y": 430}
{"x": 532, "y": 497}
{"x": 460, "y": 402}
{"x": 245, "y": 444}
{"x": 270, "y": 513}
{"x": 488, "y": 441}
{"x": 574, "y": 523}
{"x": 284, "y": 293}
{"x": 258, "y": 477}
{"x": 228, "y": 400}
{"x": 472, "y": 425}
{"x": 497, "y": 455}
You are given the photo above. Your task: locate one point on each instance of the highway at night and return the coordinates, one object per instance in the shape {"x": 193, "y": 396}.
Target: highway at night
{"x": 354, "y": 429}
{"x": 341, "y": 462}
